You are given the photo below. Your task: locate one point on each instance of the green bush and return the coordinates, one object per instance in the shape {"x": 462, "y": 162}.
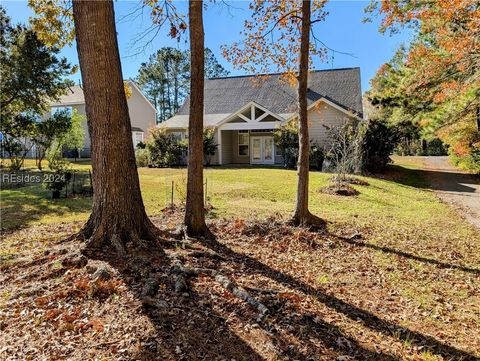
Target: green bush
{"x": 378, "y": 143}
{"x": 317, "y": 156}
{"x": 58, "y": 180}
{"x": 165, "y": 149}
{"x": 142, "y": 157}
{"x": 209, "y": 144}
{"x": 286, "y": 140}
{"x": 436, "y": 147}
{"x": 470, "y": 162}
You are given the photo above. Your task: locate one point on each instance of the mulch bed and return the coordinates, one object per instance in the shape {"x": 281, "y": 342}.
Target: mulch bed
{"x": 340, "y": 190}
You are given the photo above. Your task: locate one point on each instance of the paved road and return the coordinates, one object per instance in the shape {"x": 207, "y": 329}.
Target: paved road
{"x": 454, "y": 187}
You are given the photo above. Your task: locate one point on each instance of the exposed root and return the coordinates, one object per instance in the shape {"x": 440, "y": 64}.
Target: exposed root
{"x": 243, "y": 295}
{"x": 181, "y": 273}
{"x": 180, "y": 283}
{"x": 203, "y": 233}
{"x": 308, "y": 220}
{"x": 150, "y": 287}
{"x": 98, "y": 237}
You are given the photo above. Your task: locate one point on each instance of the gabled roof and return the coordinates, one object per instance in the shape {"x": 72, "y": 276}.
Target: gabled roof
{"x": 75, "y": 96}
{"x": 227, "y": 95}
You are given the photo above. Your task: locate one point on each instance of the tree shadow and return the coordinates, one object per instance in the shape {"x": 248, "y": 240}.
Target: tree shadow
{"x": 185, "y": 328}
{"x": 385, "y": 249}
{"x": 353, "y": 312}
{"x": 190, "y": 328}
{"x": 421, "y": 178}
{"x": 25, "y": 205}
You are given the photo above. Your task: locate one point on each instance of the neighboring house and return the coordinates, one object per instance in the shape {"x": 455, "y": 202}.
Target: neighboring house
{"x": 142, "y": 113}
{"x": 245, "y": 110}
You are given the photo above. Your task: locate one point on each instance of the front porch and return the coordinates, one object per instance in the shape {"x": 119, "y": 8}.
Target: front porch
{"x": 246, "y": 137}
{"x": 252, "y": 146}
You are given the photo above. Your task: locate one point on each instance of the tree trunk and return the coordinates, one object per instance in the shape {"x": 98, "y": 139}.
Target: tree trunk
{"x": 118, "y": 214}
{"x": 194, "y": 209}
{"x": 302, "y": 215}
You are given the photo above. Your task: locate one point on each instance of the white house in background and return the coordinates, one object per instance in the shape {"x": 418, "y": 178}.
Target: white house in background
{"x": 142, "y": 113}
{"x": 244, "y": 112}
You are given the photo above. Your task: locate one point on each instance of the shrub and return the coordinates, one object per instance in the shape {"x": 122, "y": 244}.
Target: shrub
{"x": 286, "y": 140}
{"x": 209, "y": 144}
{"x": 317, "y": 156}
{"x": 165, "y": 149}
{"x": 436, "y": 147}
{"x": 345, "y": 152}
{"x": 60, "y": 177}
{"x": 142, "y": 157}
{"x": 378, "y": 143}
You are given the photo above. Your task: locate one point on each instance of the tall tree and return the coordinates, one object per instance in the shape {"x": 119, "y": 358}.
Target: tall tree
{"x": 118, "y": 214}
{"x": 31, "y": 76}
{"x": 194, "y": 208}
{"x": 165, "y": 78}
{"x": 213, "y": 69}
{"x": 441, "y": 69}
{"x": 279, "y": 35}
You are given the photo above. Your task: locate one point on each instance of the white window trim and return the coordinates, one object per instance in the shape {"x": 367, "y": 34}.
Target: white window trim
{"x": 243, "y": 132}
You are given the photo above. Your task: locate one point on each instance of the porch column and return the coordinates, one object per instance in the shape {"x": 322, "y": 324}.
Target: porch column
{"x": 220, "y": 160}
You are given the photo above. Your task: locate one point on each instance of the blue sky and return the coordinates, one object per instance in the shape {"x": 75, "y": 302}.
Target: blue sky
{"x": 342, "y": 30}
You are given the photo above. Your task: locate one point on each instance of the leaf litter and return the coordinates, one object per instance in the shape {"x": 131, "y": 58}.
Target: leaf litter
{"x": 339, "y": 294}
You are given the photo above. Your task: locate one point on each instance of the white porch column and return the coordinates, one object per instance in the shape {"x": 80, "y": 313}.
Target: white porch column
{"x": 220, "y": 160}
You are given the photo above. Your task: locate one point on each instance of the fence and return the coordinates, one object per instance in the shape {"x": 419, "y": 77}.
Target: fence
{"x": 69, "y": 183}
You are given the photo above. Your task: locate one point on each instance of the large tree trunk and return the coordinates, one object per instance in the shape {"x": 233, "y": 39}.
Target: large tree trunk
{"x": 118, "y": 214}
{"x": 302, "y": 215}
{"x": 194, "y": 210}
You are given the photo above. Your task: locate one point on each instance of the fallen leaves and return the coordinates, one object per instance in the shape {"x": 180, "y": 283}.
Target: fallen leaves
{"x": 309, "y": 281}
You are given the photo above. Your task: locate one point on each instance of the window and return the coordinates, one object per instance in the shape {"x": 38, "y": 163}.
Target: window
{"x": 137, "y": 137}
{"x": 55, "y": 110}
{"x": 243, "y": 141}
{"x": 178, "y": 135}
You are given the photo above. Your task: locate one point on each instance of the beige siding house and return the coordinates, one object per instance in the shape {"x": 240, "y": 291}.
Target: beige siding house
{"x": 244, "y": 111}
{"x": 142, "y": 113}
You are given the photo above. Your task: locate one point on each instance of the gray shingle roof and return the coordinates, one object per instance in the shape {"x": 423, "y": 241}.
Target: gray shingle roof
{"x": 227, "y": 95}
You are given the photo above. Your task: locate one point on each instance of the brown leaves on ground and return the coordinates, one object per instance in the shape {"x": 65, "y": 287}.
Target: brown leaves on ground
{"x": 337, "y": 295}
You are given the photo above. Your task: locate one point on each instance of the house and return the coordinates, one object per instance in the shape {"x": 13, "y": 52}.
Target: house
{"x": 142, "y": 112}
{"x": 244, "y": 111}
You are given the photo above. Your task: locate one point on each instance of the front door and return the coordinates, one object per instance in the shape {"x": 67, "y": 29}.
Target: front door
{"x": 262, "y": 150}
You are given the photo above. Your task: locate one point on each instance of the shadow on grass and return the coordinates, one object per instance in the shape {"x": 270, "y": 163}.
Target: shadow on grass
{"x": 420, "y": 178}
{"x": 353, "y": 312}
{"x": 25, "y": 205}
{"x": 408, "y": 255}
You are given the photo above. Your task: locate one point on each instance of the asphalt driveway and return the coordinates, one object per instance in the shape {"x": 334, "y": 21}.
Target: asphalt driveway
{"x": 455, "y": 187}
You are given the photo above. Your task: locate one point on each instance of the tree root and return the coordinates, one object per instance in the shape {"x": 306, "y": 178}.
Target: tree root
{"x": 98, "y": 237}
{"x": 243, "y": 295}
{"x": 182, "y": 273}
{"x": 203, "y": 233}
{"x": 308, "y": 220}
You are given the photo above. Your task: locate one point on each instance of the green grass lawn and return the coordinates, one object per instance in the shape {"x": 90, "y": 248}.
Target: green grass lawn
{"x": 398, "y": 206}
{"x": 397, "y": 203}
